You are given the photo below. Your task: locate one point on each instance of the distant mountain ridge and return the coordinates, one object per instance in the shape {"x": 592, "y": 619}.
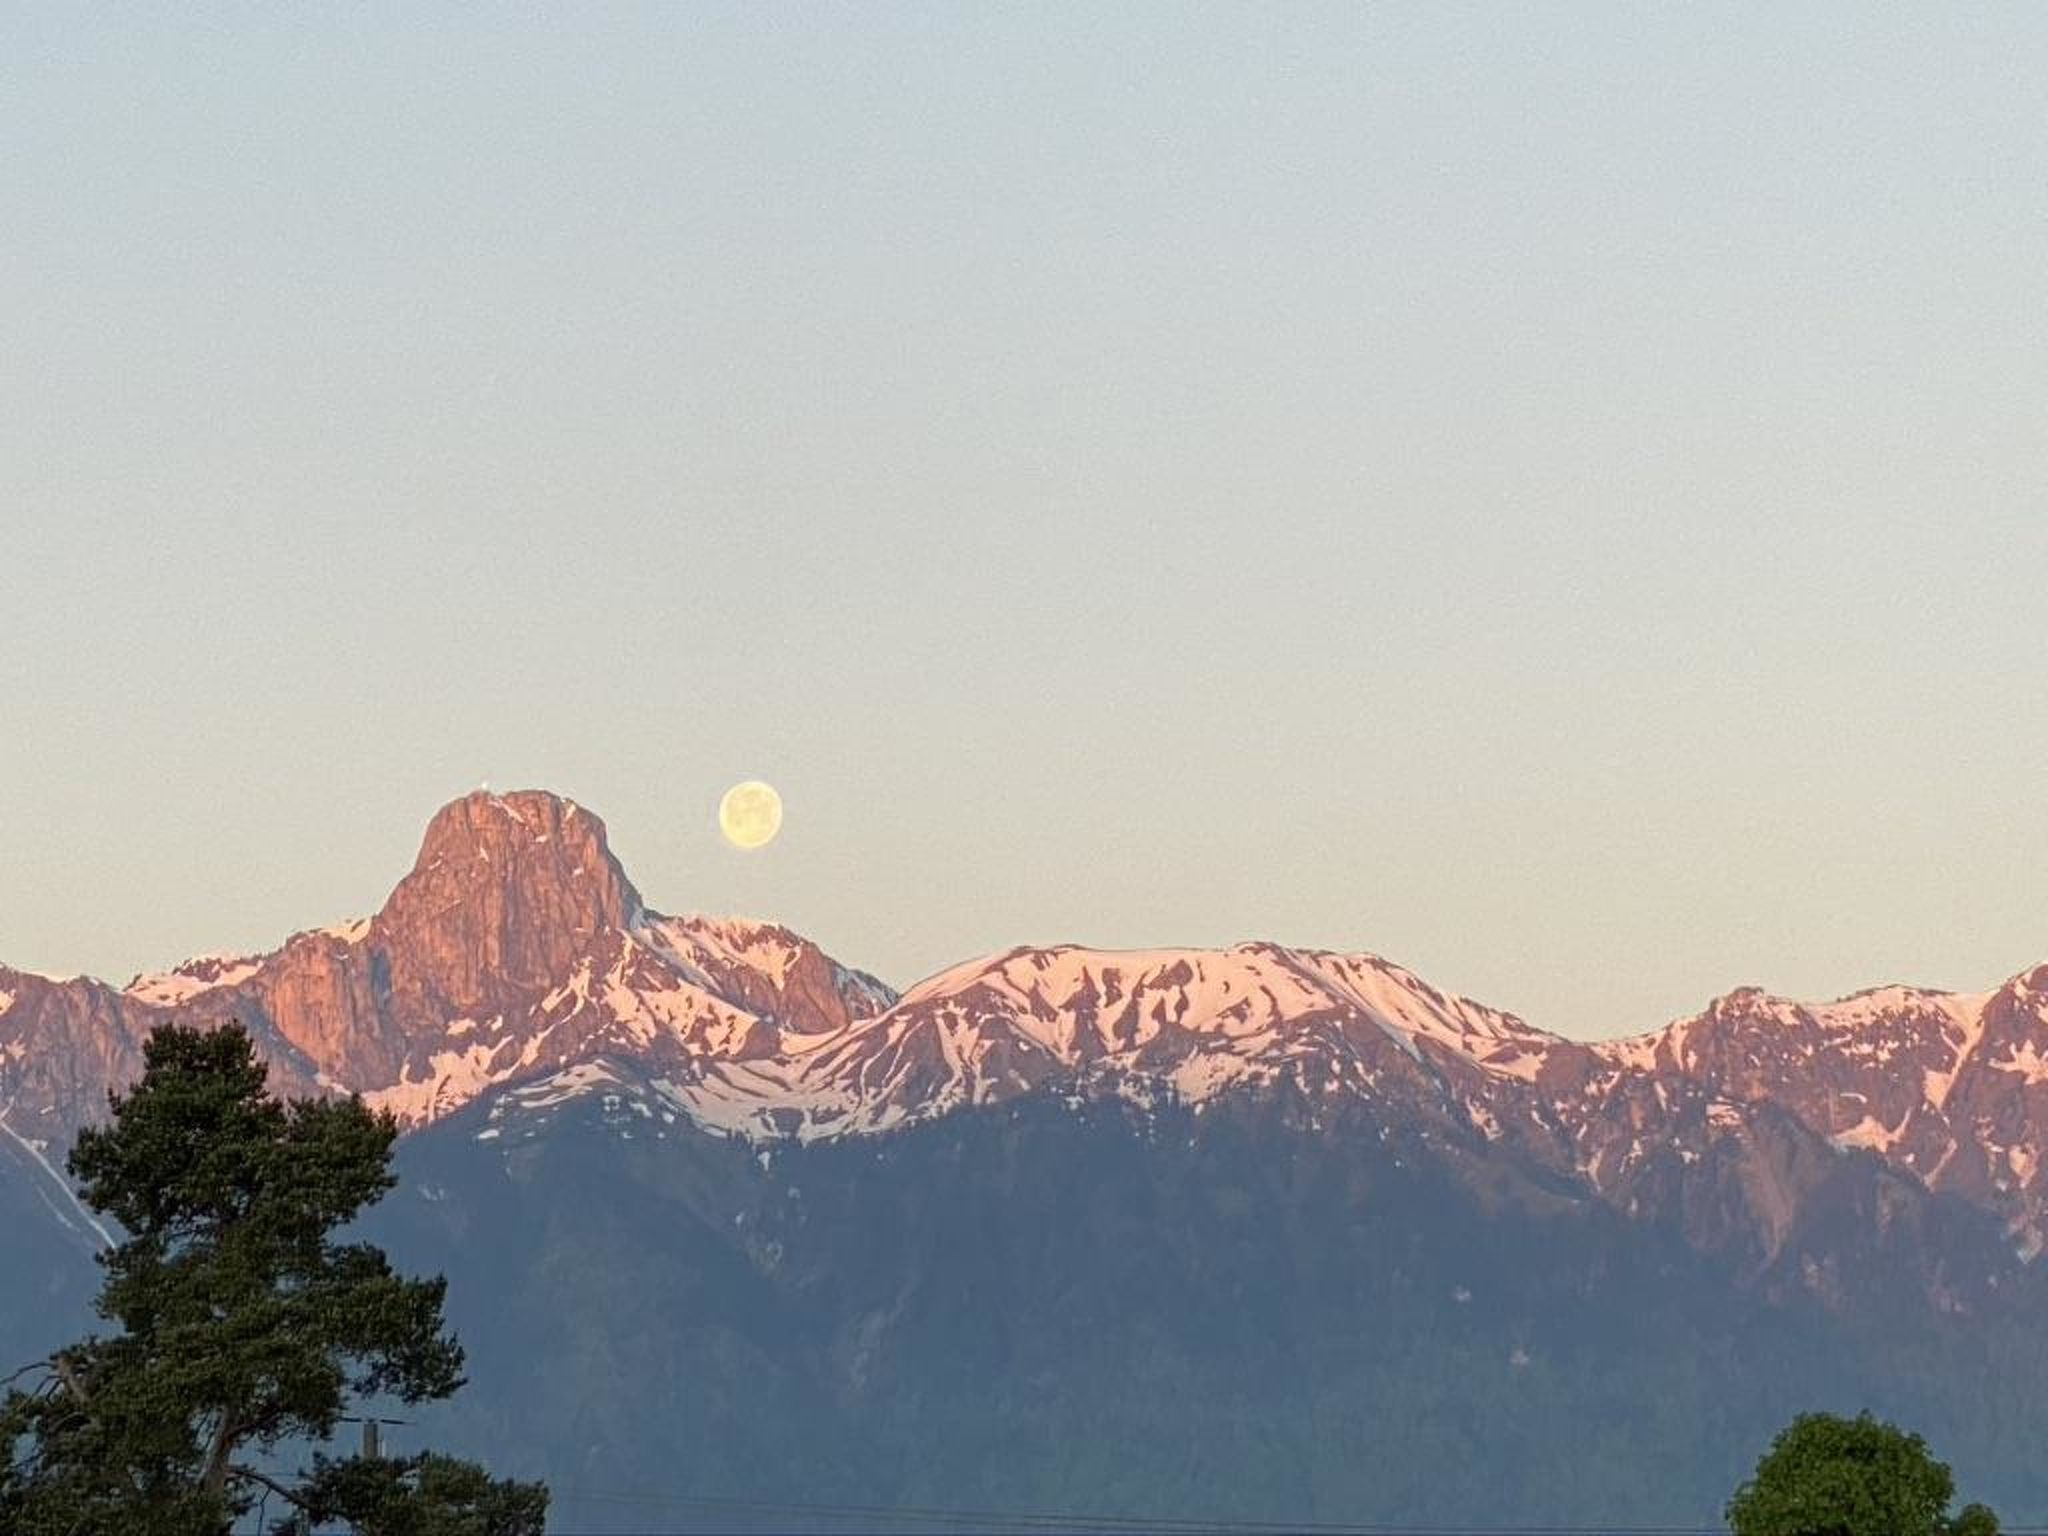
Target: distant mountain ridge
{"x": 1263, "y": 1230}
{"x": 516, "y": 962}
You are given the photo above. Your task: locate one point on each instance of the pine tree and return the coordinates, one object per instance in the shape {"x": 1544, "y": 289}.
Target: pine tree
{"x": 243, "y": 1325}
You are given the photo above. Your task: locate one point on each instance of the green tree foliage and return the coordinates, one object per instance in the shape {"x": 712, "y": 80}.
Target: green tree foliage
{"x": 415, "y": 1496}
{"x": 243, "y": 1324}
{"x": 1830, "y": 1476}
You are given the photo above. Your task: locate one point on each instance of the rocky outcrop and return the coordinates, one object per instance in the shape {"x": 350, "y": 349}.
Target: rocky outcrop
{"x": 63, "y": 1044}
{"x": 516, "y": 946}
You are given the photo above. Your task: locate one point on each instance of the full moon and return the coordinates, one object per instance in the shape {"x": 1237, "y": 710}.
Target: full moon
{"x": 750, "y": 814}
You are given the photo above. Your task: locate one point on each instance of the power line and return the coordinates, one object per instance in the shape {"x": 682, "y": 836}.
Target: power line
{"x": 883, "y": 1517}
{"x": 897, "y": 1517}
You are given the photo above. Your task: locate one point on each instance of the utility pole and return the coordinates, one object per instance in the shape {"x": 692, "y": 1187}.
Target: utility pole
{"x": 373, "y": 1434}
{"x": 373, "y": 1439}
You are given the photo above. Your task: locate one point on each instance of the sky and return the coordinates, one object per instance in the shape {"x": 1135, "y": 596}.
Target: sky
{"x": 1557, "y": 496}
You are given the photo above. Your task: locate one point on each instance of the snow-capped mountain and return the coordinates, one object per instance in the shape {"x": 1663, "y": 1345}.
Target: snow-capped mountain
{"x": 516, "y": 963}
{"x": 1061, "y": 1199}
{"x": 1941, "y": 1086}
{"x": 1185, "y": 1024}
{"x": 515, "y": 948}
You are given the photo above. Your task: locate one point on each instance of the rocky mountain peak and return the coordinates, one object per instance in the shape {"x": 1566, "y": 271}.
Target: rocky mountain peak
{"x": 516, "y": 964}
{"x": 506, "y": 887}
{"x": 1749, "y": 1005}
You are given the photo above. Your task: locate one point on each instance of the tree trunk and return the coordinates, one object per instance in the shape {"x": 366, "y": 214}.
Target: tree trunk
{"x": 215, "y": 1478}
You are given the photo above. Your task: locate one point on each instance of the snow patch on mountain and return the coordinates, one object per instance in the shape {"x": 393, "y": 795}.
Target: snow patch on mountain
{"x": 1869, "y": 1134}
{"x": 768, "y": 948}
{"x": 647, "y": 1006}
{"x": 449, "y": 1080}
{"x": 1203, "y": 1076}
{"x": 1634, "y": 1053}
{"x": 1966, "y": 1013}
{"x": 202, "y": 973}
{"x": 771, "y": 1101}
{"x": 67, "y": 1194}
{"x": 2026, "y": 1063}
{"x": 524, "y": 1107}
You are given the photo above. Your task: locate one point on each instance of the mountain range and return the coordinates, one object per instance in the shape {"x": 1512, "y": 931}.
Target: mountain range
{"x": 1266, "y": 1232}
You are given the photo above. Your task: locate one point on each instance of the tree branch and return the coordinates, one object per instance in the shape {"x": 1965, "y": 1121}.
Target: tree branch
{"x": 236, "y": 1469}
{"x": 12, "y": 1377}
{"x": 62, "y": 1366}
{"x": 227, "y": 1434}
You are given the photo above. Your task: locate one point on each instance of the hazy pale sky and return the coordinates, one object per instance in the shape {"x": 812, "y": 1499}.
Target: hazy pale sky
{"x": 1554, "y": 495}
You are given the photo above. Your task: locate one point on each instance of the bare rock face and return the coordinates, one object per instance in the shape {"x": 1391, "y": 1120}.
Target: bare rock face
{"x": 65, "y": 1044}
{"x": 1995, "y": 1112}
{"x": 516, "y": 946}
{"x": 62, "y": 1044}
{"x": 509, "y": 891}
{"x": 321, "y": 993}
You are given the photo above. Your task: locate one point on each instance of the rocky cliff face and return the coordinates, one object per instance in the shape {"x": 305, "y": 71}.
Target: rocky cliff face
{"x": 516, "y": 964}
{"x": 1950, "y": 1090}
{"x": 63, "y": 1044}
{"x": 516, "y": 946}
{"x": 66, "y": 1043}
{"x": 509, "y": 892}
